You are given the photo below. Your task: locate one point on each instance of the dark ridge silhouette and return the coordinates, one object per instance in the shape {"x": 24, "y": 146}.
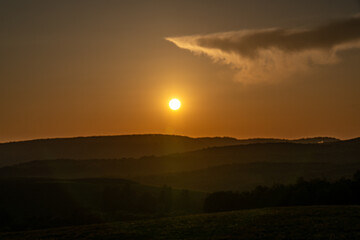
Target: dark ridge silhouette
{"x": 303, "y": 193}
{"x": 239, "y": 167}
{"x": 352, "y": 141}
{"x": 123, "y": 146}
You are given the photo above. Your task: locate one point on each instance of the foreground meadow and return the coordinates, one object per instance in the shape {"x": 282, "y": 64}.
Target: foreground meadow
{"x": 313, "y": 222}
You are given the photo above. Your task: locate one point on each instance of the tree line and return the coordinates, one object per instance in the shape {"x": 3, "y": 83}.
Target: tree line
{"x": 302, "y": 193}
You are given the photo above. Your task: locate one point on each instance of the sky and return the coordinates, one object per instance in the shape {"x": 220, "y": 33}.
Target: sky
{"x": 244, "y": 69}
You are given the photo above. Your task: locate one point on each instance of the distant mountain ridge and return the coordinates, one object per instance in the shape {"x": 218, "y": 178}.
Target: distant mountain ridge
{"x": 274, "y": 153}
{"x": 121, "y": 146}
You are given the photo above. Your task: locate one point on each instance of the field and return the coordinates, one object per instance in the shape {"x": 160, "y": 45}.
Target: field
{"x": 313, "y": 222}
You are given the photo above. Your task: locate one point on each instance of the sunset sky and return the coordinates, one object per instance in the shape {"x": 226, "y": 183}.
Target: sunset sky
{"x": 244, "y": 69}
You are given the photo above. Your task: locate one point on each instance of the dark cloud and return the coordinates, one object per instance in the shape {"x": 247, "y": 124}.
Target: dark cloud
{"x": 290, "y": 40}
{"x": 275, "y": 53}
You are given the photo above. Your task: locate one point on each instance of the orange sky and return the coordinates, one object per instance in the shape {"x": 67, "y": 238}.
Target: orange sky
{"x": 71, "y": 68}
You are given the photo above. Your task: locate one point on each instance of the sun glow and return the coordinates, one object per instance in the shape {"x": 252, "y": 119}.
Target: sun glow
{"x": 174, "y": 104}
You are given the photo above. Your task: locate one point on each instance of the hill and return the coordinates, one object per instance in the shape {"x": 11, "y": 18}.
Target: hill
{"x": 317, "y": 223}
{"x": 40, "y": 203}
{"x": 338, "y": 152}
{"x": 246, "y": 176}
{"x": 123, "y": 146}
{"x": 239, "y": 167}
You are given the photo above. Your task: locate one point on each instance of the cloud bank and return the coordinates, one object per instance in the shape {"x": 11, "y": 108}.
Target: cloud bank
{"x": 276, "y": 53}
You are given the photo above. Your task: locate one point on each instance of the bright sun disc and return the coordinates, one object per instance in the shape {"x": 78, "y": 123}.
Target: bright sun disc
{"x": 174, "y": 104}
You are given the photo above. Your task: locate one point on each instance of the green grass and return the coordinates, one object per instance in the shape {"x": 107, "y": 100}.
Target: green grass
{"x": 317, "y": 222}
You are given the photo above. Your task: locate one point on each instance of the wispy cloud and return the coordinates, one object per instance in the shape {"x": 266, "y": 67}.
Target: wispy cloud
{"x": 276, "y": 53}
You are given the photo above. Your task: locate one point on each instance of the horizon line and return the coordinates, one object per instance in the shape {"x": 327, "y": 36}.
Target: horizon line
{"x": 167, "y": 134}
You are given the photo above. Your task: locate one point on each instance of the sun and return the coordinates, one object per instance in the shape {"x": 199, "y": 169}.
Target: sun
{"x": 174, "y": 104}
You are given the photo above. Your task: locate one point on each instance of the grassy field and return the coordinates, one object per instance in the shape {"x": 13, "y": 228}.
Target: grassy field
{"x": 317, "y": 222}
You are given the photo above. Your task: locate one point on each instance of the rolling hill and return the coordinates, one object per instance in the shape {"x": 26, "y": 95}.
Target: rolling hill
{"x": 123, "y": 146}
{"x": 237, "y": 167}
{"x": 247, "y": 176}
